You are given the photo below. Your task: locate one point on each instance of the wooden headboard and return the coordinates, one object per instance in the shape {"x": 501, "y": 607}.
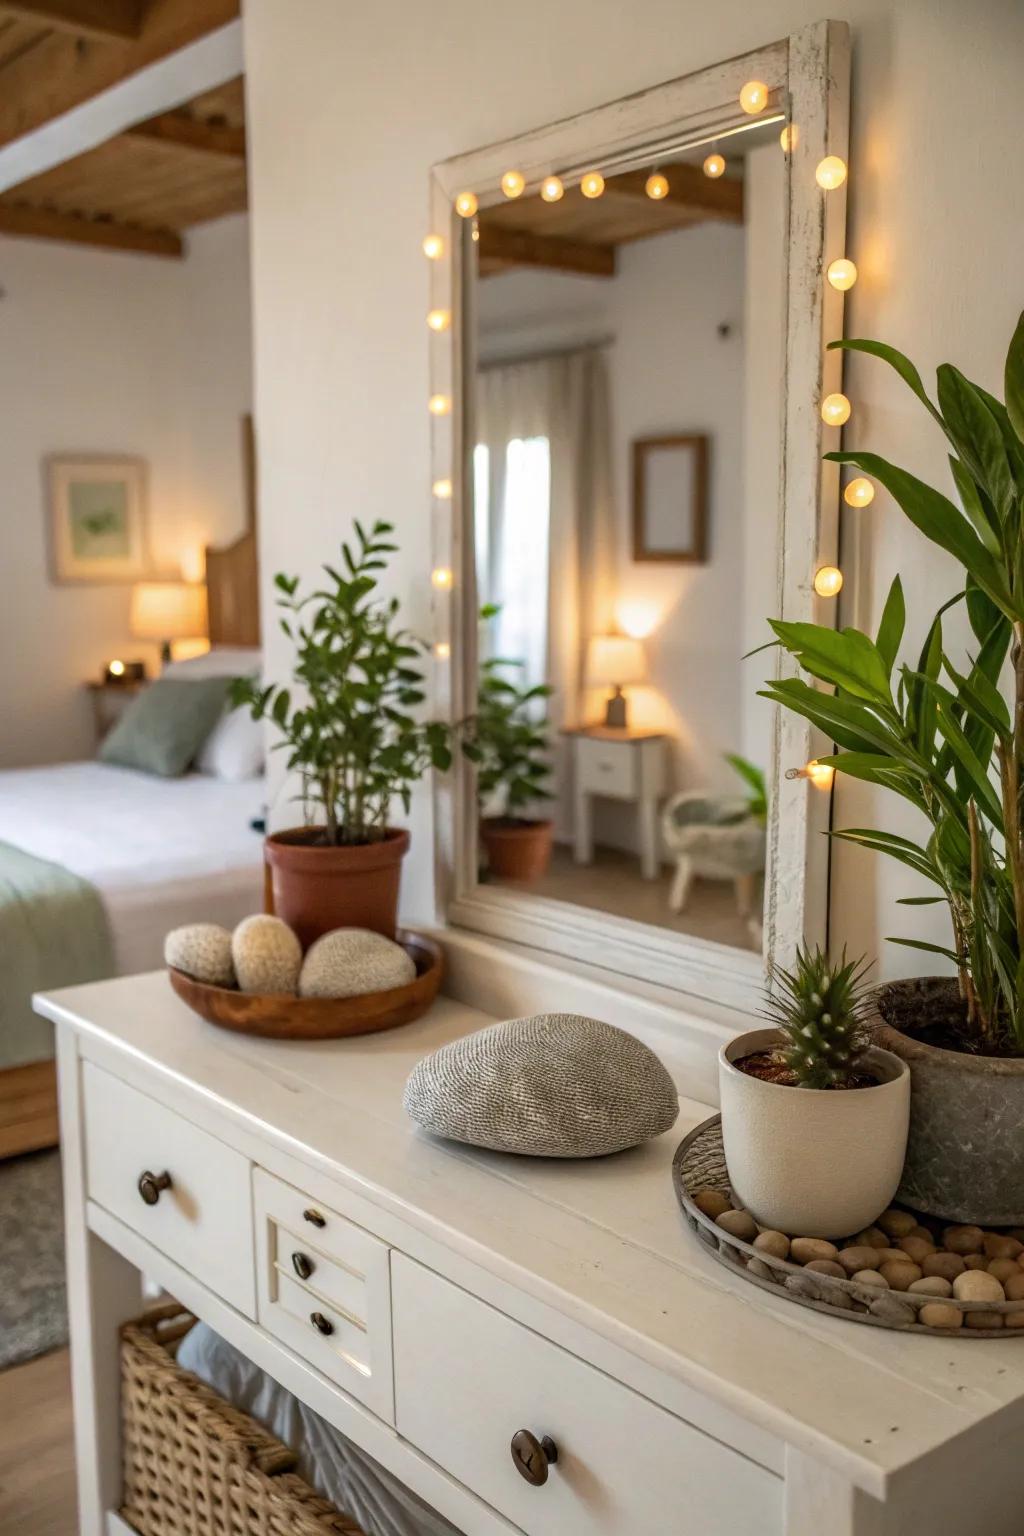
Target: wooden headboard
{"x": 232, "y": 574}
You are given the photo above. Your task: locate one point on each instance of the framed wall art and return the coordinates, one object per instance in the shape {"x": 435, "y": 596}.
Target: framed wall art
{"x": 97, "y": 519}
{"x": 670, "y": 498}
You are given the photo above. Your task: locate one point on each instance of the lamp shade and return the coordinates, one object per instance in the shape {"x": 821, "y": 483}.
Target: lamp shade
{"x": 168, "y": 610}
{"x": 614, "y": 661}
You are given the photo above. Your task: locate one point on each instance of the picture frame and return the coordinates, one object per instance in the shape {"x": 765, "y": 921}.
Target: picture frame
{"x": 670, "y": 498}
{"x": 97, "y": 520}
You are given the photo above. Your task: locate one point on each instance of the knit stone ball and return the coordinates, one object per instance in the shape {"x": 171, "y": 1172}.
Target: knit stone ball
{"x": 349, "y": 962}
{"x": 552, "y": 1085}
{"x": 202, "y": 951}
{"x": 267, "y": 956}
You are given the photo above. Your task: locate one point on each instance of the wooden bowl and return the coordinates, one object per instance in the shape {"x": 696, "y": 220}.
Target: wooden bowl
{"x": 319, "y": 1018}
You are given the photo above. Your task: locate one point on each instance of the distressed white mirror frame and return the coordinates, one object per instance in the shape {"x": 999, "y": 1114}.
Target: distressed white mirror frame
{"x": 808, "y": 78}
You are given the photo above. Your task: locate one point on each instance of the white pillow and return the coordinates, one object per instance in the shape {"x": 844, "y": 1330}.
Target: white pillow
{"x": 221, "y": 661}
{"x": 234, "y": 749}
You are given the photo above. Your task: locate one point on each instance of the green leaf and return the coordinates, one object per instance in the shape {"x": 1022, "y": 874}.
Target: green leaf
{"x": 976, "y": 437}
{"x": 903, "y": 366}
{"x": 843, "y": 720}
{"x": 893, "y": 623}
{"x": 920, "y": 901}
{"x": 899, "y": 848}
{"x": 1014, "y": 380}
{"x": 929, "y": 949}
{"x": 845, "y": 657}
{"x": 985, "y": 526}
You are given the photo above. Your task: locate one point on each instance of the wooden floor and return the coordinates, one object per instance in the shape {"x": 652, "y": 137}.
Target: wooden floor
{"x": 37, "y": 1486}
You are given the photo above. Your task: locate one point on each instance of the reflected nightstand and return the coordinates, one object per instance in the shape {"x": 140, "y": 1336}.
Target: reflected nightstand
{"x": 622, "y": 764}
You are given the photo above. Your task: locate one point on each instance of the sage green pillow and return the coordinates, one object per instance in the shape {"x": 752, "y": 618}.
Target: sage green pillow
{"x": 163, "y": 729}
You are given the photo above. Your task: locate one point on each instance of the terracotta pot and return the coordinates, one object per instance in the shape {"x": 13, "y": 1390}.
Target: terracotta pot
{"x": 317, "y": 887}
{"x": 965, "y": 1154}
{"x": 516, "y": 850}
{"x": 812, "y": 1162}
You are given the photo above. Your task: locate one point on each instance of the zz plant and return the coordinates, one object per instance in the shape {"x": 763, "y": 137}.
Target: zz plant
{"x": 350, "y": 731}
{"x": 945, "y": 732}
{"x": 505, "y": 739}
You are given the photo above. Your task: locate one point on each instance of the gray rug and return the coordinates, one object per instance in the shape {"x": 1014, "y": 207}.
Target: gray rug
{"x": 33, "y": 1311}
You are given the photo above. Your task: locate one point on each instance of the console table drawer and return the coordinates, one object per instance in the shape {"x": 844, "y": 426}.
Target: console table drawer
{"x": 202, "y": 1216}
{"x": 467, "y": 1378}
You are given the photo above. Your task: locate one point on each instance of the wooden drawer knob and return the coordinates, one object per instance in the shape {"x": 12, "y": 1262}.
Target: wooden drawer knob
{"x": 150, "y": 1185}
{"x": 533, "y": 1457}
{"x": 314, "y": 1218}
{"x": 302, "y": 1265}
{"x": 321, "y": 1323}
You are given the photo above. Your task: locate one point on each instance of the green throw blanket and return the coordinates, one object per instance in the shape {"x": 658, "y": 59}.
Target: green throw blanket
{"x": 53, "y": 933}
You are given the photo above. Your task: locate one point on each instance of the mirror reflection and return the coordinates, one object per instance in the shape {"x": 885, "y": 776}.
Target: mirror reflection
{"x": 625, "y": 421}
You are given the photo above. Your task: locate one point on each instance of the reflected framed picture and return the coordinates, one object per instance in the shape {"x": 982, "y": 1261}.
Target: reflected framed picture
{"x": 670, "y": 498}
{"x": 97, "y": 519}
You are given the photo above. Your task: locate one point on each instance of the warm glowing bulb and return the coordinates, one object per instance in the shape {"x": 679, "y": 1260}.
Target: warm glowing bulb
{"x": 116, "y": 669}
{"x": 842, "y": 274}
{"x": 656, "y": 186}
{"x": 820, "y": 774}
{"x": 475, "y": 235}
{"x": 439, "y": 319}
{"x": 442, "y": 489}
{"x": 442, "y": 650}
{"x": 754, "y": 96}
{"x": 433, "y": 247}
{"x": 441, "y": 577}
{"x": 859, "y": 493}
{"x": 512, "y": 183}
{"x": 828, "y": 581}
{"x": 466, "y": 205}
{"x": 439, "y": 405}
{"x": 714, "y": 165}
{"x": 835, "y": 409}
{"x": 551, "y": 189}
{"x": 831, "y": 173}
{"x": 789, "y": 138}
{"x": 592, "y": 184}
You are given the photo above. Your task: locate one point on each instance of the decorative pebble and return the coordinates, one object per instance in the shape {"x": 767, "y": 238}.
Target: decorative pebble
{"x": 871, "y": 1237}
{"x": 203, "y": 951}
{"x": 738, "y": 1224}
{"x": 803, "y": 1249}
{"x": 1003, "y": 1269}
{"x": 923, "y": 1232}
{"x": 267, "y": 956}
{"x": 940, "y": 1314}
{"x": 1014, "y": 1287}
{"x": 762, "y": 1270}
{"x": 775, "y": 1243}
{"x": 872, "y": 1278}
{"x": 975, "y": 1261}
{"x": 1013, "y": 1319}
{"x": 896, "y": 1223}
{"x": 916, "y": 1248}
{"x": 964, "y": 1240}
{"x": 861, "y": 1257}
{"x": 999, "y": 1247}
{"x": 351, "y": 962}
{"x": 983, "y": 1319}
{"x": 901, "y": 1276}
{"x": 712, "y": 1202}
{"x": 930, "y": 1285}
{"x": 827, "y": 1267}
{"x": 891, "y": 1256}
{"x": 891, "y": 1310}
{"x": 948, "y": 1265}
{"x": 977, "y": 1285}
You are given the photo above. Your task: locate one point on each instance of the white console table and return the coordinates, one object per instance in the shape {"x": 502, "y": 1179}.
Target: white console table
{"x": 496, "y": 1294}
{"x": 621, "y": 764}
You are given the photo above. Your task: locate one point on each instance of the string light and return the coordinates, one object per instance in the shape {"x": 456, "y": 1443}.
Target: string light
{"x": 592, "y": 184}
{"x": 466, "y": 205}
{"x": 754, "y": 97}
{"x": 442, "y": 650}
{"x": 859, "y": 493}
{"x": 830, "y": 173}
{"x": 789, "y": 138}
{"x": 820, "y": 774}
{"x": 551, "y": 189}
{"x": 442, "y": 578}
{"x": 475, "y": 236}
{"x": 442, "y": 489}
{"x": 439, "y": 319}
{"x": 828, "y": 581}
{"x": 512, "y": 183}
{"x": 656, "y": 186}
{"x": 835, "y": 409}
{"x": 439, "y": 405}
{"x": 433, "y": 247}
{"x": 842, "y": 274}
{"x": 714, "y": 165}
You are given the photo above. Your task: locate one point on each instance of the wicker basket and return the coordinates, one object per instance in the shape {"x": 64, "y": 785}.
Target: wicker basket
{"x": 193, "y": 1464}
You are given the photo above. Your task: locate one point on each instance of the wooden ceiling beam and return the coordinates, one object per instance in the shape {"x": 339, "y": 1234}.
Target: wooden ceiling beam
{"x": 524, "y": 248}
{"x": 117, "y": 20}
{"x": 191, "y": 133}
{"x": 20, "y": 219}
{"x": 720, "y": 198}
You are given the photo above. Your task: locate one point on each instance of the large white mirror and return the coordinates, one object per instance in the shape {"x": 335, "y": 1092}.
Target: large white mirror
{"x": 633, "y": 485}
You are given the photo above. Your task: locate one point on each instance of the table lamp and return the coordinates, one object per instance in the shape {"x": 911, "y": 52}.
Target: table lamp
{"x": 613, "y": 661}
{"x": 167, "y": 611}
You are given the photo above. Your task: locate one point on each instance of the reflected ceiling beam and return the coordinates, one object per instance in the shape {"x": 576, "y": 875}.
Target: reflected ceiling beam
{"x": 184, "y": 132}
{"x": 44, "y": 224}
{"x": 523, "y": 248}
{"x": 689, "y": 188}
{"x": 120, "y": 20}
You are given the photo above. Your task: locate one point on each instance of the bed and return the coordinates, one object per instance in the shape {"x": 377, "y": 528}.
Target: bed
{"x": 138, "y": 854}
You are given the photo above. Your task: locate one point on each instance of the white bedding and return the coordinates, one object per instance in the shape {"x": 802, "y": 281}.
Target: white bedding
{"x": 161, "y": 852}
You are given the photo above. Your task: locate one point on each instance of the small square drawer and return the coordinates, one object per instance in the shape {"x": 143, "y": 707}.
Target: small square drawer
{"x": 324, "y": 1289}
{"x": 607, "y": 768}
{"x": 175, "y": 1185}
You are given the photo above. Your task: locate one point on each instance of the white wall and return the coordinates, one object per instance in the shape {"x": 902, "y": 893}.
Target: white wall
{"x": 343, "y": 134}
{"x": 102, "y": 352}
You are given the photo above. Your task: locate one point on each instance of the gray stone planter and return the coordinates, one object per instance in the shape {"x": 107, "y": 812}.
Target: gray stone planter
{"x": 965, "y": 1151}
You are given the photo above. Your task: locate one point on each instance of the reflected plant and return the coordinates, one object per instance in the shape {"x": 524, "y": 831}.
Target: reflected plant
{"x": 753, "y": 777}
{"x": 504, "y": 739}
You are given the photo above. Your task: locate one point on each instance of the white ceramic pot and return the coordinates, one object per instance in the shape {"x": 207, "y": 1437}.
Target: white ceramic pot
{"x": 813, "y": 1162}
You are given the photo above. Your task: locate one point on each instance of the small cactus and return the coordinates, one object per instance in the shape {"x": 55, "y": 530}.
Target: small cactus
{"x": 819, "y": 1009}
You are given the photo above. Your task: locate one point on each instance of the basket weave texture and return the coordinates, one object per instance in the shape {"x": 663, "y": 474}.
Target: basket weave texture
{"x": 193, "y": 1464}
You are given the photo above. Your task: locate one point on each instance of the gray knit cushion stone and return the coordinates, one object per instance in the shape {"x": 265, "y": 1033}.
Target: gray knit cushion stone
{"x": 552, "y": 1085}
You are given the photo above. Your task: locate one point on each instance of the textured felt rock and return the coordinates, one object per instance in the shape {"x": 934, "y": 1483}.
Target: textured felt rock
{"x": 552, "y": 1085}
{"x": 350, "y": 962}
{"x": 267, "y": 956}
{"x": 203, "y": 951}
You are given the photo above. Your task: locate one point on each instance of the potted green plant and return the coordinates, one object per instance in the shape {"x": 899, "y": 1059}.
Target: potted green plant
{"x": 946, "y": 734}
{"x": 814, "y": 1117}
{"x": 509, "y": 745}
{"x": 350, "y": 734}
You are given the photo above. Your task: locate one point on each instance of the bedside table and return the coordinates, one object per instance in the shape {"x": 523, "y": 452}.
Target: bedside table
{"x": 621, "y": 765}
{"x": 109, "y": 702}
